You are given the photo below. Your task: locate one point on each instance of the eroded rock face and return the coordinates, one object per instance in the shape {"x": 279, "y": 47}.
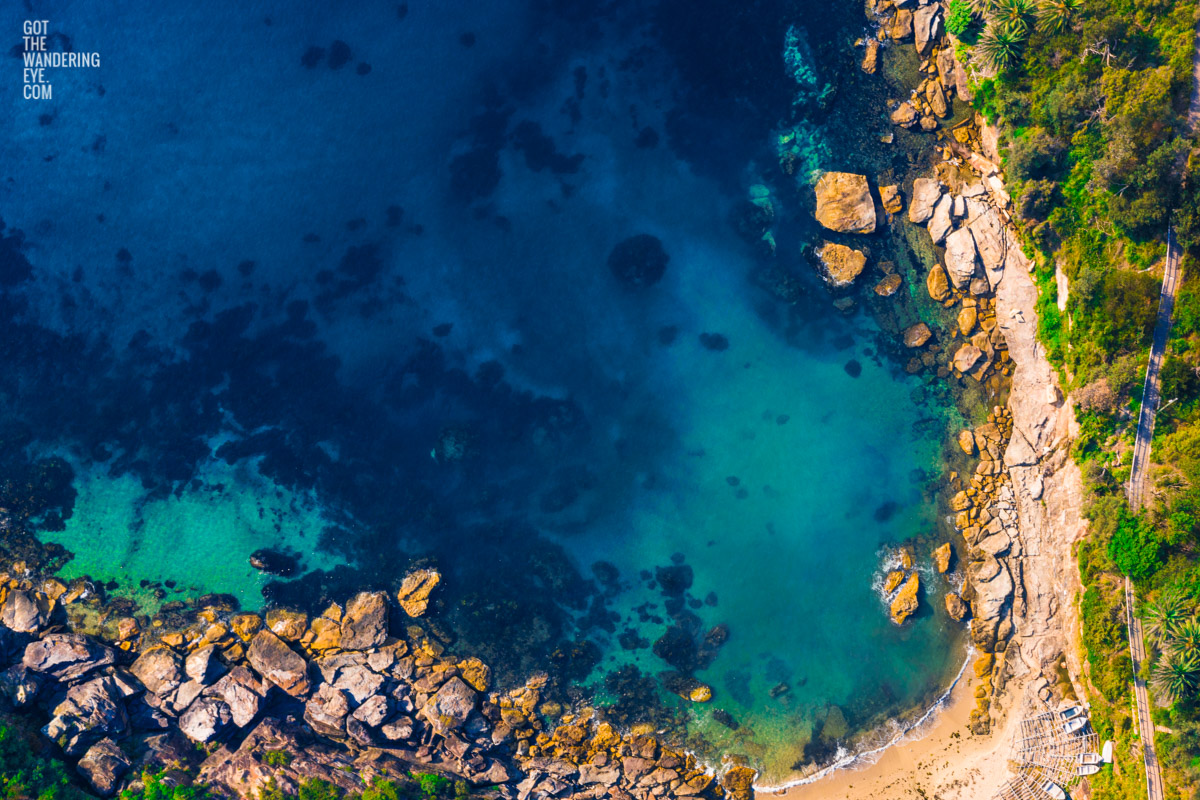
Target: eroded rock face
{"x": 326, "y": 711}
{"x": 90, "y": 712}
{"x": 66, "y": 656}
{"x": 937, "y": 284}
{"x": 893, "y": 203}
{"x": 844, "y": 203}
{"x": 966, "y": 357}
{"x": 415, "y": 591}
{"x": 365, "y": 622}
{"x": 840, "y": 264}
{"x": 940, "y": 222}
{"x": 242, "y": 693}
{"x": 904, "y": 605}
{"x": 278, "y": 663}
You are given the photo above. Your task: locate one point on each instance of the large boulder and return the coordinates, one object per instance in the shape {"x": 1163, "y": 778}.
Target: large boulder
{"x": 927, "y": 24}
{"x": 364, "y": 625}
{"x": 844, "y": 203}
{"x": 941, "y": 558}
{"x": 917, "y": 335}
{"x": 415, "y": 590}
{"x": 905, "y": 115}
{"x": 991, "y": 239}
{"x": 202, "y": 665}
{"x": 639, "y": 261}
{"x": 936, "y": 98}
{"x": 278, "y": 663}
{"x": 960, "y": 257}
{"x": 326, "y": 711}
{"x": 160, "y": 669}
{"x": 24, "y": 611}
{"x": 904, "y": 605}
{"x": 450, "y": 706}
{"x": 940, "y": 222}
{"x": 205, "y": 720}
{"x": 103, "y": 766}
{"x": 937, "y": 284}
{"x": 966, "y": 357}
{"x": 840, "y": 264}
{"x": 241, "y": 693}
{"x": 66, "y": 656}
{"x": 925, "y": 194}
{"x": 89, "y": 712}
{"x": 955, "y": 607}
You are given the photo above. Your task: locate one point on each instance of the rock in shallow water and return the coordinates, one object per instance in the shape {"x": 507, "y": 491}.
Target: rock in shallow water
{"x": 415, "y": 590}
{"x": 840, "y": 264}
{"x": 639, "y": 261}
{"x": 844, "y": 203}
{"x": 905, "y": 603}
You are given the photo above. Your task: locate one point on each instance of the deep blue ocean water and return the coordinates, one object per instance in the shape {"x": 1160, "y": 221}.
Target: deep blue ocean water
{"x": 336, "y": 282}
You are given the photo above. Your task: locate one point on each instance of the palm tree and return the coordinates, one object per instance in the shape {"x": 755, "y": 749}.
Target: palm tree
{"x": 1053, "y": 16}
{"x": 1176, "y": 677}
{"x": 1000, "y": 47}
{"x": 982, "y": 8}
{"x": 1184, "y": 640}
{"x": 1164, "y": 615}
{"x": 1013, "y": 15}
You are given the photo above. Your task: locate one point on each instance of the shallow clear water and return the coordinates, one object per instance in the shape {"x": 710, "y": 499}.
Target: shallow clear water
{"x": 210, "y": 408}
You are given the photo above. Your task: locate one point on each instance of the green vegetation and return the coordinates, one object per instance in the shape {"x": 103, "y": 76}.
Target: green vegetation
{"x": 960, "y": 19}
{"x": 277, "y": 758}
{"x": 1090, "y": 98}
{"x": 156, "y": 786}
{"x": 415, "y": 786}
{"x": 26, "y": 771}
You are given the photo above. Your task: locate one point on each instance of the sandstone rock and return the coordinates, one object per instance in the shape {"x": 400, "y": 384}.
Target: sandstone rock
{"x": 326, "y": 711}
{"x": 905, "y": 115}
{"x": 286, "y": 624}
{"x": 889, "y": 285}
{"x": 241, "y": 693}
{"x": 21, "y": 685}
{"x": 905, "y": 603}
{"x": 476, "y": 673}
{"x": 937, "y": 99}
{"x": 278, "y": 663}
{"x": 738, "y": 783}
{"x": 205, "y": 720}
{"x": 202, "y": 665}
{"x": 966, "y": 357}
{"x": 450, "y": 706}
{"x": 127, "y": 629}
{"x": 160, "y": 669}
{"x": 966, "y": 320}
{"x": 415, "y": 590}
{"x": 66, "y": 656}
{"x": 929, "y": 123}
{"x": 917, "y": 335}
{"x": 940, "y": 222}
{"x": 927, "y": 24}
{"x": 844, "y": 203}
{"x": 960, "y": 257}
{"x": 397, "y": 729}
{"x": 966, "y": 440}
{"x": 359, "y": 683}
{"x": 701, "y": 694}
{"x": 902, "y": 25}
{"x": 89, "y": 712}
{"x": 840, "y": 264}
{"x": 323, "y": 634}
{"x": 893, "y": 203}
{"x": 24, "y": 612}
{"x": 937, "y": 284}
{"x": 364, "y": 624}
{"x": 955, "y": 607}
{"x": 893, "y": 580}
{"x": 941, "y": 558}
{"x": 870, "y": 61}
{"x": 990, "y": 236}
{"x": 925, "y": 195}
{"x": 103, "y": 766}
{"x": 373, "y": 712}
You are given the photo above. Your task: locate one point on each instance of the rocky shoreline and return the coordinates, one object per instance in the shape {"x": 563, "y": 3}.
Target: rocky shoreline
{"x": 359, "y": 692}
